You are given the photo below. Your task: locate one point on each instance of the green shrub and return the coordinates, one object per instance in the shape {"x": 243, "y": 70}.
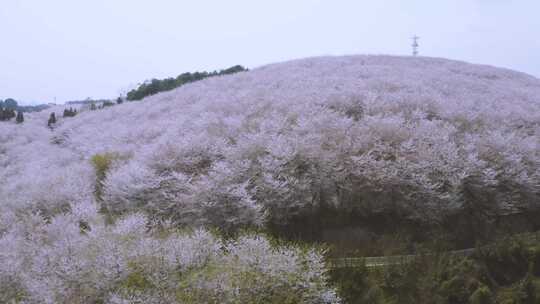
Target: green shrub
{"x": 248, "y": 286}
{"x": 455, "y": 289}
{"x": 354, "y": 285}
{"x": 136, "y": 280}
{"x": 527, "y": 290}
{"x": 482, "y": 295}
{"x": 505, "y": 272}
{"x": 506, "y": 262}
{"x": 101, "y": 164}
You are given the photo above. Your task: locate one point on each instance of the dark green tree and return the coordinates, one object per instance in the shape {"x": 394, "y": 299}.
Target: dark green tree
{"x": 107, "y": 104}
{"x": 70, "y": 112}
{"x": 10, "y": 104}
{"x": 20, "y": 117}
{"x": 6, "y": 114}
{"x": 155, "y": 86}
{"x": 52, "y": 120}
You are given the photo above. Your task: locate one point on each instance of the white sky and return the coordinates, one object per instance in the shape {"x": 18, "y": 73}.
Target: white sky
{"x": 73, "y": 49}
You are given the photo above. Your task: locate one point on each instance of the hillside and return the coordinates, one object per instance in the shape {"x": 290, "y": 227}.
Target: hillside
{"x": 342, "y": 131}
{"x": 419, "y": 137}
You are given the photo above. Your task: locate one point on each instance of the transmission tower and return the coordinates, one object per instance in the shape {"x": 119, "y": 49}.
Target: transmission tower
{"x": 415, "y": 45}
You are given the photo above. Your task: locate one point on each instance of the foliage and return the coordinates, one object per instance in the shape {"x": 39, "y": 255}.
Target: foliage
{"x": 107, "y": 104}
{"x": 10, "y": 104}
{"x": 101, "y": 164}
{"x": 507, "y": 261}
{"x": 441, "y": 278}
{"x": 52, "y": 120}
{"x": 71, "y": 112}
{"x": 55, "y": 261}
{"x": 6, "y": 114}
{"x": 482, "y": 295}
{"x": 356, "y": 286}
{"x": 155, "y": 86}
{"x": 240, "y": 274}
{"x": 20, "y": 117}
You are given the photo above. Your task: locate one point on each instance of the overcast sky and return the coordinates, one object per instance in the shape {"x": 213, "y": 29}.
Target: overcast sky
{"x": 72, "y": 50}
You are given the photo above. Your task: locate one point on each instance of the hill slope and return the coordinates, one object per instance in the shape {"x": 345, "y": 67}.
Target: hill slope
{"x": 364, "y": 133}
{"x": 89, "y": 209}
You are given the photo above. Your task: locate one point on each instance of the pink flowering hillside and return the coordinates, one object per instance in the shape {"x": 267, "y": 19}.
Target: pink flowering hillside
{"x": 361, "y": 133}
{"x": 90, "y": 207}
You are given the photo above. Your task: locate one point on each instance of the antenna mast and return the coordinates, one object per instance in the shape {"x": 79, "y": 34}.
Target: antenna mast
{"x": 415, "y": 45}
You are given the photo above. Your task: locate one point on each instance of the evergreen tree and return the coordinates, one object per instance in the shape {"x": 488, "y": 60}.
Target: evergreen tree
{"x": 155, "y": 86}
{"x": 10, "y": 104}
{"x": 70, "y": 112}
{"x": 20, "y": 117}
{"x": 6, "y": 114}
{"x": 52, "y": 120}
